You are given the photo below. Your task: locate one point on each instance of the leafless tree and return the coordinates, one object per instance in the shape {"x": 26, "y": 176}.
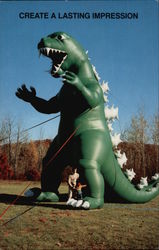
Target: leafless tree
{"x": 155, "y": 129}
{"x": 11, "y": 141}
{"x": 138, "y": 133}
{"x": 155, "y": 137}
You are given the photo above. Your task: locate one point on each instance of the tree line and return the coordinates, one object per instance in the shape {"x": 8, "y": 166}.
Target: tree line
{"x": 141, "y": 144}
{"x": 21, "y": 158}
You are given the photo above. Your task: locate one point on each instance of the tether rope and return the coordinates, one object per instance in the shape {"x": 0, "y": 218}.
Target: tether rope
{"x": 34, "y": 126}
{"x": 15, "y": 217}
{"x": 14, "y": 201}
{"x": 53, "y": 157}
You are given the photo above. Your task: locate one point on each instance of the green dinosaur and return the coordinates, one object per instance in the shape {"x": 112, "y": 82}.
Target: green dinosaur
{"x": 81, "y": 104}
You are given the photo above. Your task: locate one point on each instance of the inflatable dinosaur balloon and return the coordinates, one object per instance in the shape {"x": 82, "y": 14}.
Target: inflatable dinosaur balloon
{"x": 80, "y": 102}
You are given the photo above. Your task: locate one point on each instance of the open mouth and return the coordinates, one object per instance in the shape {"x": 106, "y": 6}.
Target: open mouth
{"x": 57, "y": 56}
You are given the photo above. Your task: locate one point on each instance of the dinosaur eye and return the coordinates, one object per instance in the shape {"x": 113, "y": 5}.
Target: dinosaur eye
{"x": 61, "y": 37}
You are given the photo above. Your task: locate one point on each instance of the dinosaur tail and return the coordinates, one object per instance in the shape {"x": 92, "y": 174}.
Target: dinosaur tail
{"x": 126, "y": 190}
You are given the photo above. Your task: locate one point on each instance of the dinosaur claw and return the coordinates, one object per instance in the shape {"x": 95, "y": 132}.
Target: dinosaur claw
{"x": 70, "y": 202}
{"x": 79, "y": 203}
{"x": 74, "y": 203}
{"x": 86, "y": 205}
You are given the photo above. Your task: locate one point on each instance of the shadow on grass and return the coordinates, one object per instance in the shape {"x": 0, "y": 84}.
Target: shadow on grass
{"x": 22, "y": 200}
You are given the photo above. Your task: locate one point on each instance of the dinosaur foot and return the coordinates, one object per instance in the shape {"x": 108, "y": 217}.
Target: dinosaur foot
{"x": 87, "y": 203}
{"x": 37, "y": 195}
{"x": 32, "y": 193}
{"x": 78, "y": 203}
{"x": 94, "y": 202}
{"x": 48, "y": 196}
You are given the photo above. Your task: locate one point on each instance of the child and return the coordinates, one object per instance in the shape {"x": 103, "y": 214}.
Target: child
{"x": 79, "y": 191}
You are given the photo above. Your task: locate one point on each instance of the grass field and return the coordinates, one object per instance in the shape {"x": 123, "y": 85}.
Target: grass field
{"x": 55, "y": 226}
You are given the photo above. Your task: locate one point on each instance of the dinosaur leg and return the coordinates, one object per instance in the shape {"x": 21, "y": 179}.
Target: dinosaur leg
{"x": 89, "y": 158}
{"x": 95, "y": 184}
{"x": 51, "y": 173}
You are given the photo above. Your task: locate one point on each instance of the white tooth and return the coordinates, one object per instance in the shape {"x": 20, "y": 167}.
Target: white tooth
{"x": 58, "y": 65}
{"x": 47, "y": 51}
{"x": 55, "y": 50}
{"x": 56, "y": 68}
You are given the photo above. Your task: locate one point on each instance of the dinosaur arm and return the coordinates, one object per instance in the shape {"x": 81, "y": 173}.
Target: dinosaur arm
{"x": 92, "y": 94}
{"x": 44, "y": 106}
{"x": 41, "y": 105}
{"x": 90, "y": 90}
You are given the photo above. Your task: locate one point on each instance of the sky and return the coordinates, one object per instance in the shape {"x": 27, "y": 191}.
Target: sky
{"x": 124, "y": 52}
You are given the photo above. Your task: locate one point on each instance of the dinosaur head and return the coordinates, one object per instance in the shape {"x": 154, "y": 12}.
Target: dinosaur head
{"x": 64, "y": 51}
